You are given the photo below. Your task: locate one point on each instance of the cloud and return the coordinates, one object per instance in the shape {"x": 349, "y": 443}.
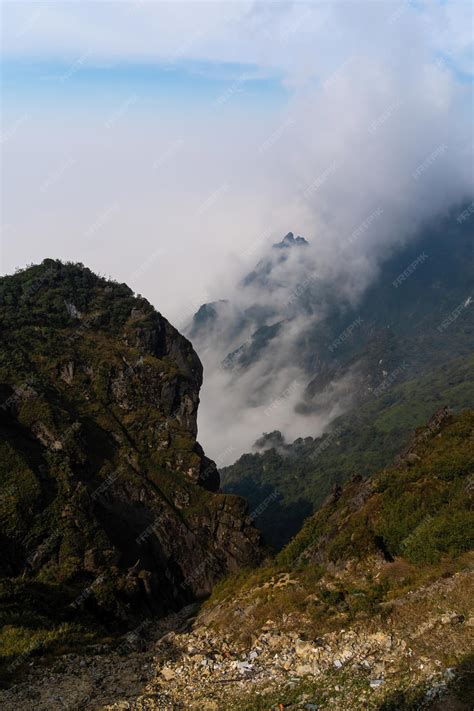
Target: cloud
{"x": 381, "y": 144}
{"x": 180, "y": 190}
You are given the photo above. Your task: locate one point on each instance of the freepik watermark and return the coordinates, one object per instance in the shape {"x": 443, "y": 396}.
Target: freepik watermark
{"x": 428, "y": 162}
{"x": 168, "y": 154}
{"x": 401, "y": 9}
{"x": 421, "y": 528}
{"x": 148, "y": 531}
{"x": 7, "y": 135}
{"x": 220, "y": 460}
{"x": 22, "y": 658}
{"x": 30, "y": 22}
{"x": 75, "y": 66}
{"x": 277, "y": 402}
{"x": 275, "y": 136}
{"x": 363, "y": 227}
{"x": 87, "y": 592}
{"x": 264, "y": 505}
{"x": 106, "y": 484}
{"x": 121, "y": 111}
{"x": 290, "y": 28}
{"x": 235, "y": 88}
{"x": 199, "y": 571}
{"x": 389, "y": 380}
{"x": 102, "y": 220}
{"x": 84, "y": 327}
{"x": 345, "y": 334}
{"x": 44, "y": 549}
{"x": 338, "y": 73}
{"x": 329, "y": 439}
{"x": 57, "y": 175}
{"x": 466, "y": 214}
{"x": 212, "y": 199}
{"x": 133, "y": 638}
{"x": 300, "y": 289}
{"x": 454, "y": 315}
{"x": 410, "y": 269}
{"x": 384, "y": 117}
{"x": 320, "y": 180}
{"x": 146, "y": 265}
{"x": 20, "y": 392}
{"x": 134, "y": 367}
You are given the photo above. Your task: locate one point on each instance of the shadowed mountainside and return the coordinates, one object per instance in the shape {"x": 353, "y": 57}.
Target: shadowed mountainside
{"x": 109, "y": 509}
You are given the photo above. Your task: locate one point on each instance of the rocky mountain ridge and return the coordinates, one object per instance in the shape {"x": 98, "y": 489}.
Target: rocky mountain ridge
{"x": 109, "y": 508}
{"x": 362, "y": 441}
{"x": 184, "y": 664}
{"x": 324, "y": 626}
{"x": 292, "y": 335}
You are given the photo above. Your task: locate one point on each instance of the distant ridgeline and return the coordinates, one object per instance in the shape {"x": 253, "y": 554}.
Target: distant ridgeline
{"x": 375, "y": 538}
{"x": 404, "y": 351}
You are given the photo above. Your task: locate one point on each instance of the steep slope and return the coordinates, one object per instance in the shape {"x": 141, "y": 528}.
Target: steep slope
{"x": 417, "y": 289}
{"x": 372, "y": 601}
{"x": 294, "y": 479}
{"x": 296, "y": 347}
{"x": 420, "y": 509}
{"x": 414, "y": 518}
{"x": 223, "y": 326}
{"x": 369, "y": 608}
{"x": 237, "y": 333}
{"x": 109, "y": 508}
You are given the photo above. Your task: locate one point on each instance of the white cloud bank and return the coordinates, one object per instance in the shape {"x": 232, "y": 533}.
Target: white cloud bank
{"x": 376, "y": 136}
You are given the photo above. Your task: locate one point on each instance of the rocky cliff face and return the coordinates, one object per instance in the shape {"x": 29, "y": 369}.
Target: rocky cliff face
{"x": 108, "y": 505}
{"x": 370, "y": 608}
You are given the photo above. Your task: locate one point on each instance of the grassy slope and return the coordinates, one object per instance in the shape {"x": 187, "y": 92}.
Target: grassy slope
{"x": 357, "y": 562}
{"x": 419, "y": 510}
{"x": 410, "y": 524}
{"x": 304, "y": 473}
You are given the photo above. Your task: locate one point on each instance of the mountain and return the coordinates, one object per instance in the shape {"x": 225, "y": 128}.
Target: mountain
{"x": 264, "y": 272}
{"x": 365, "y": 372}
{"x": 290, "y": 325}
{"x": 301, "y": 474}
{"x": 220, "y": 324}
{"x": 369, "y": 607}
{"x": 109, "y": 509}
{"x": 418, "y": 509}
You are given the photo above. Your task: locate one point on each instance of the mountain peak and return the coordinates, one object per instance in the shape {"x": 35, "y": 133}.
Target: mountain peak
{"x": 290, "y": 241}
{"x": 110, "y": 491}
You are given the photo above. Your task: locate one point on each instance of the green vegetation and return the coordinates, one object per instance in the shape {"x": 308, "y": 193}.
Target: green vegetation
{"x": 420, "y": 510}
{"x": 375, "y": 539}
{"x": 340, "y": 685}
{"x": 362, "y": 442}
{"x": 35, "y": 620}
{"x": 98, "y": 394}
{"x": 400, "y": 331}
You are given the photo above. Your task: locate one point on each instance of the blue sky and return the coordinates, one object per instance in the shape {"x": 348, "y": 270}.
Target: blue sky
{"x": 187, "y": 54}
{"x": 133, "y": 115}
{"x": 172, "y": 86}
{"x": 168, "y": 145}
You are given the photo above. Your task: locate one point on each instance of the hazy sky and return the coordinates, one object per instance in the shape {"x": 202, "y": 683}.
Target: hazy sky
{"x": 169, "y": 144}
{"x": 165, "y": 143}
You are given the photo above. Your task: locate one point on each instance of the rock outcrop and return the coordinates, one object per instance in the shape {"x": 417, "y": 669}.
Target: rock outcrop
{"x": 108, "y": 505}
{"x": 183, "y": 664}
